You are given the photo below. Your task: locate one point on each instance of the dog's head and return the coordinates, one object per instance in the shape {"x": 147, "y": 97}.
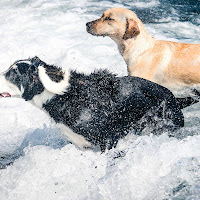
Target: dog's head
{"x": 116, "y": 23}
{"x": 30, "y": 77}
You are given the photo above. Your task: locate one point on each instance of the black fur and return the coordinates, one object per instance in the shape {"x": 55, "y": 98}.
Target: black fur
{"x": 26, "y": 76}
{"x": 102, "y": 107}
{"x": 114, "y": 105}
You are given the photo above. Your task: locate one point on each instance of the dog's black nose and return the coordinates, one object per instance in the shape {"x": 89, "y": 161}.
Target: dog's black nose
{"x": 88, "y": 26}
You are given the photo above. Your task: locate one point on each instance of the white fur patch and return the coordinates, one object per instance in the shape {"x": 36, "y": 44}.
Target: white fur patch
{"x": 7, "y": 86}
{"x": 24, "y": 61}
{"x": 14, "y": 66}
{"x": 51, "y": 86}
{"x": 76, "y": 139}
{"x": 40, "y": 99}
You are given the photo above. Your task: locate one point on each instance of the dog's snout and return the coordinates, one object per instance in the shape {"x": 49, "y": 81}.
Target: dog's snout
{"x": 89, "y": 26}
{"x": 93, "y": 27}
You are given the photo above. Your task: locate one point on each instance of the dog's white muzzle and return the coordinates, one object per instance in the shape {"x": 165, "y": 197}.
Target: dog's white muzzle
{"x": 7, "y": 89}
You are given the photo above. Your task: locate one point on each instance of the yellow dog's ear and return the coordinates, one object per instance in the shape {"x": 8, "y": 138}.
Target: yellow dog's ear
{"x": 132, "y": 29}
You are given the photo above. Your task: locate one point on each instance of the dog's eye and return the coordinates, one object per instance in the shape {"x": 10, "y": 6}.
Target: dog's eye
{"x": 15, "y": 70}
{"x": 108, "y": 19}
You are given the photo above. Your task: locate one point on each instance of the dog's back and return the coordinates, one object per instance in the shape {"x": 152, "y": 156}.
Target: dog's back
{"x": 103, "y": 108}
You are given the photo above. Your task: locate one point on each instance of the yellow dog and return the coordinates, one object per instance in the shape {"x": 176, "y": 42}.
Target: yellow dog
{"x": 171, "y": 64}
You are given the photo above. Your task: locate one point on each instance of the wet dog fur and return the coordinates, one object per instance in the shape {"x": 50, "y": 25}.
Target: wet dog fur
{"x": 96, "y": 110}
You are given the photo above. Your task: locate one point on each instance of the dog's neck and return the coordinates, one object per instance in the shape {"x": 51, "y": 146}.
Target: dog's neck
{"x": 131, "y": 48}
{"x": 40, "y": 99}
{"x": 120, "y": 44}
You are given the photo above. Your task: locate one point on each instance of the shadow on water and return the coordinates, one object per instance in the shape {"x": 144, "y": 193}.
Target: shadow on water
{"x": 47, "y": 137}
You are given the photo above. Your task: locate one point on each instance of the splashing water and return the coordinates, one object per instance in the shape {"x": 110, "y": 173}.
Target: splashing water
{"x": 44, "y": 165}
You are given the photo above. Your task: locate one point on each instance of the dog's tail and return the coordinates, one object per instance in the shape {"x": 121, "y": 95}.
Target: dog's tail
{"x": 188, "y": 101}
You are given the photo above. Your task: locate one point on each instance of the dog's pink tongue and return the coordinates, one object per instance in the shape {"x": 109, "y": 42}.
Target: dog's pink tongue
{"x": 5, "y": 94}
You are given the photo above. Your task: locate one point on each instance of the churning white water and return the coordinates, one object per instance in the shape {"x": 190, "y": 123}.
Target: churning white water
{"x": 37, "y": 162}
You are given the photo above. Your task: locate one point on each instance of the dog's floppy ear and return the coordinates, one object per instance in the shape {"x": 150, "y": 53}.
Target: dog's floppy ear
{"x": 36, "y": 61}
{"x": 132, "y": 29}
{"x": 56, "y": 87}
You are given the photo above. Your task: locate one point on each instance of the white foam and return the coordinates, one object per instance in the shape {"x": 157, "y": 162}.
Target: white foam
{"x": 45, "y": 165}
{"x": 144, "y": 4}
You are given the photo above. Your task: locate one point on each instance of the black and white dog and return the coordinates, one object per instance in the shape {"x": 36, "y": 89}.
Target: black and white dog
{"x": 96, "y": 110}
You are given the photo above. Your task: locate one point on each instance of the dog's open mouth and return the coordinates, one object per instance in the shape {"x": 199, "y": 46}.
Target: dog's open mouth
{"x": 5, "y": 94}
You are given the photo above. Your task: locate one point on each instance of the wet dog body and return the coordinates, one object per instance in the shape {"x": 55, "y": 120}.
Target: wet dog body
{"x": 96, "y": 110}
{"x": 171, "y": 64}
